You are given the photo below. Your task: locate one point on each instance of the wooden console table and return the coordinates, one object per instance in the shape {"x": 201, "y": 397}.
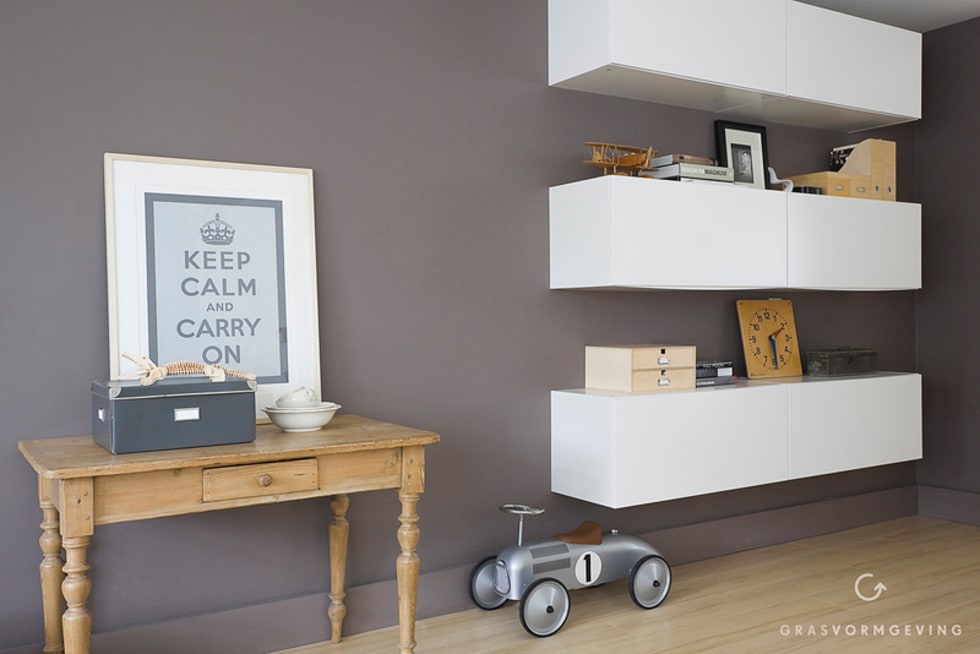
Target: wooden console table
{"x": 81, "y": 485}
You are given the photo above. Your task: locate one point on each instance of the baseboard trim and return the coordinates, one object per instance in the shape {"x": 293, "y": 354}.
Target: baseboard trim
{"x": 728, "y": 535}
{"x": 293, "y": 622}
{"x": 949, "y": 504}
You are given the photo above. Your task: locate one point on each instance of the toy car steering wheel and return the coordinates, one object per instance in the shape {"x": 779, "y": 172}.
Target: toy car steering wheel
{"x": 521, "y": 510}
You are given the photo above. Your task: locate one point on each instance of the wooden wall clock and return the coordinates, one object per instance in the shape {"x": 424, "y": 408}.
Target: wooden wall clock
{"x": 769, "y": 338}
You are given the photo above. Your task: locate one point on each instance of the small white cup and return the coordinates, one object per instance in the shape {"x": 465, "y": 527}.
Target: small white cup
{"x": 299, "y": 398}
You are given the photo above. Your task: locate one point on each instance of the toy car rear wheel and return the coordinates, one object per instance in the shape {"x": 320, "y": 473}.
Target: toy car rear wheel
{"x": 544, "y": 607}
{"x": 481, "y": 585}
{"x": 650, "y": 581}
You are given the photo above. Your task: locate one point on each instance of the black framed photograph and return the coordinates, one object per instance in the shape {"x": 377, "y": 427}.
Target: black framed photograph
{"x": 743, "y": 148}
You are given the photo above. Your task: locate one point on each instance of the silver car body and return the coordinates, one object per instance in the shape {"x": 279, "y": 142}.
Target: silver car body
{"x": 576, "y": 566}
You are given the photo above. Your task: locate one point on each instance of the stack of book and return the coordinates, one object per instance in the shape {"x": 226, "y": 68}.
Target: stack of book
{"x": 713, "y": 373}
{"x": 690, "y": 168}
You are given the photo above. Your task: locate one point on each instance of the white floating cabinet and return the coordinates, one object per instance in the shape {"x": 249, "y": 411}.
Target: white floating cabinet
{"x": 627, "y": 232}
{"x": 615, "y": 232}
{"x": 669, "y": 52}
{"x": 848, "y": 423}
{"x": 620, "y": 449}
{"x": 844, "y": 61}
{"x": 773, "y": 60}
{"x": 852, "y": 244}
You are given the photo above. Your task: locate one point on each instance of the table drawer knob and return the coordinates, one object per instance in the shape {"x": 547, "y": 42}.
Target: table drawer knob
{"x": 265, "y": 480}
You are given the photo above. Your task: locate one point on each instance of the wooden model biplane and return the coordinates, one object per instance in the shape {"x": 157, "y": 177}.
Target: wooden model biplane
{"x": 619, "y": 159}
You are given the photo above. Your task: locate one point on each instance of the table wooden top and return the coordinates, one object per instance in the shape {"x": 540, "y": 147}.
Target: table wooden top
{"x": 68, "y": 457}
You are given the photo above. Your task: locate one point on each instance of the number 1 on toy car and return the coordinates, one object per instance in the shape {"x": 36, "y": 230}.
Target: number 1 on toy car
{"x": 588, "y": 568}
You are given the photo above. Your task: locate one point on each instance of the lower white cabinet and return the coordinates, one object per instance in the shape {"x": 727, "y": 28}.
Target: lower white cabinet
{"x": 850, "y": 423}
{"x": 621, "y": 449}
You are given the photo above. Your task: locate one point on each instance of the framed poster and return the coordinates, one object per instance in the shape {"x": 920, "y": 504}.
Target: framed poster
{"x": 743, "y": 148}
{"x": 213, "y": 262}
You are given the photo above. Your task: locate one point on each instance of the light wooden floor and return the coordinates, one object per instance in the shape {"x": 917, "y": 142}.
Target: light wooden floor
{"x": 784, "y": 598}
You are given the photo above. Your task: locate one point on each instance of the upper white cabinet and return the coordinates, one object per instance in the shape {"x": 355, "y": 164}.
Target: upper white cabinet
{"x": 840, "y": 60}
{"x": 628, "y": 232}
{"x": 773, "y": 60}
{"x": 669, "y": 52}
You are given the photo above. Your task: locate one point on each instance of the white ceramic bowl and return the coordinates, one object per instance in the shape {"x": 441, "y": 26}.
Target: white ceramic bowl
{"x": 302, "y": 418}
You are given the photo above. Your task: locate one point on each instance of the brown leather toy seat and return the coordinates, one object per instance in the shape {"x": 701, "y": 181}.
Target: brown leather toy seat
{"x": 587, "y": 533}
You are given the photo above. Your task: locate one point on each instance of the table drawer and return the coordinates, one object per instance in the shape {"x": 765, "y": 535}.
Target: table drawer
{"x": 255, "y": 480}
{"x": 350, "y": 472}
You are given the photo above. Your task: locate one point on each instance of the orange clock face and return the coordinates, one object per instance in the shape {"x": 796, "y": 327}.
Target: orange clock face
{"x": 769, "y": 338}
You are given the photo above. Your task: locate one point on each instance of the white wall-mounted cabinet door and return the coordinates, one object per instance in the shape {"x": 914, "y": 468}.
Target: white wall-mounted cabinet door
{"x": 739, "y": 44}
{"x": 628, "y": 232}
{"x": 844, "y": 61}
{"x": 854, "y": 244}
{"x": 622, "y": 450}
{"x": 704, "y": 54}
{"x": 847, "y": 423}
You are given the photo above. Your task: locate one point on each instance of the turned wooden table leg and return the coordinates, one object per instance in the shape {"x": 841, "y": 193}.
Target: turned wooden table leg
{"x": 51, "y": 578}
{"x": 407, "y": 571}
{"x": 339, "y": 530}
{"x": 77, "y": 621}
{"x": 77, "y": 525}
{"x": 407, "y": 566}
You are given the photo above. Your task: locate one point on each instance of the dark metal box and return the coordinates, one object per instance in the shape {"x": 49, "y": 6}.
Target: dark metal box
{"x": 172, "y": 413}
{"x": 841, "y": 361}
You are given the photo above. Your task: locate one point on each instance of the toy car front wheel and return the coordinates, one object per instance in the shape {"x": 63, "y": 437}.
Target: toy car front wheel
{"x": 544, "y": 607}
{"x": 481, "y": 585}
{"x": 650, "y": 581}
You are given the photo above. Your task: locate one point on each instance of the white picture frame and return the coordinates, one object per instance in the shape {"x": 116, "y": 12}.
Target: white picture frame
{"x": 213, "y": 262}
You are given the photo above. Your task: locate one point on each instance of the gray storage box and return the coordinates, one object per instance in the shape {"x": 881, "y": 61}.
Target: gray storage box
{"x": 172, "y": 413}
{"x": 842, "y": 361}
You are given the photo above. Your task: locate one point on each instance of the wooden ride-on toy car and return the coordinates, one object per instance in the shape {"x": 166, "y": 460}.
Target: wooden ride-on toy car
{"x": 540, "y": 574}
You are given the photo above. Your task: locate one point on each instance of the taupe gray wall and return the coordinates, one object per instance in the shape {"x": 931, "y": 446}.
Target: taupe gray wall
{"x": 948, "y": 307}
{"x": 433, "y": 137}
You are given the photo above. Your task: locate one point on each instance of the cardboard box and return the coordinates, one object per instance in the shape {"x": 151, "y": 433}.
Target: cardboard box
{"x": 874, "y": 158}
{"x": 174, "y": 412}
{"x": 639, "y": 368}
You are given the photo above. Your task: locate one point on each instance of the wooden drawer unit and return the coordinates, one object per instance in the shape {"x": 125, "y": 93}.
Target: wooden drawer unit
{"x": 256, "y": 480}
{"x": 639, "y": 368}
{"x": 662, "y": 380}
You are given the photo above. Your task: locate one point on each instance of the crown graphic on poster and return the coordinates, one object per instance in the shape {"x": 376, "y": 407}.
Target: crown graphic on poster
{"x": 217, "y": 231}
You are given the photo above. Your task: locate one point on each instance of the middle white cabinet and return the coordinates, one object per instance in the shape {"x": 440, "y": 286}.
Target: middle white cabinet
{"x": 616, "y": 232}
